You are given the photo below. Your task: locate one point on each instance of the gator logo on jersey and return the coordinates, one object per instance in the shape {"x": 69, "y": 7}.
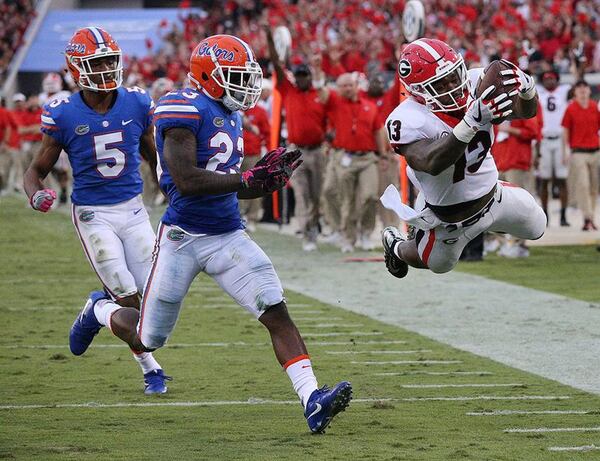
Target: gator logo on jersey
{"x": 218, "y": 122}
{"x": 86, "y": 215}
{"x": 82, "y": 129}
{"x": 404, "y": 68}
{"x": 175, "y": 235}
{"x": 220, "y": 53}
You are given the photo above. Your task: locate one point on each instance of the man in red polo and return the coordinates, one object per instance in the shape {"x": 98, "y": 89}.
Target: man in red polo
{"x": 581, "y": 123}
{"x": 257, "y": 132}
{"x": 356, "y": 146}
{"x": 306, "y": 123}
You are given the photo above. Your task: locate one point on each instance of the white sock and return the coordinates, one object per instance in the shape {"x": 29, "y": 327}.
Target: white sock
{"x": 104, "y": 309}
{"x": 301, "y": 374}
{"x": 146, "y": 361}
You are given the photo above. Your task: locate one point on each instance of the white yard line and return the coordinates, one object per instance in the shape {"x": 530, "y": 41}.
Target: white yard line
{"x": 350, "y": 333}
{"x": 536, "y": 430}
{"x": 580, "y": 448}
{"x": 436, "y": 373}
{"x": 418, "y": 351}
{"x": 215, "y": 344}
{"x": 530, "y": 412}
{"x": 409, "y": 362}
{"x": 259, "y": 401}
{"x": 333, "y": 325}
{"x": 443, "y": 386}
{"x": 315, "y": 319}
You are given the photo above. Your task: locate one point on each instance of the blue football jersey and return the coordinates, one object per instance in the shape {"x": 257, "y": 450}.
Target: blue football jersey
{"x": 219, "y": 148}
{"x": 103, "y": 149}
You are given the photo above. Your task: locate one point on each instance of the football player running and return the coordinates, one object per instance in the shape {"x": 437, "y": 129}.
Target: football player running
{"x": 103, "y": 128}
{"x": 445, "y": 134}
{"x": 200, "y": 145}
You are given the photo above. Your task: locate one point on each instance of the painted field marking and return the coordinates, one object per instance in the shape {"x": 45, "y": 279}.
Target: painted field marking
{"x": 334, "y": 325}
{"x": 435, "y": 373}
{"x": 443, "y": 386}
{"x": 409, "y": 362}
{"x": 315, "y": 319}
{"x": 418, "y": 351}
{"x": 215, "y": 344}
{"x": 518, "y": 430}
{"x": 580, "y": 448}
{"x": 530, "y": 412}
{"x": 310, "y": 312}
{"x": 258, "y": 401}
{"x": 350, "y": 333}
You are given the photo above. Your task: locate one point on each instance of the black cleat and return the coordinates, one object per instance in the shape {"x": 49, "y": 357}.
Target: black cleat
{"x": 390, "y": 237}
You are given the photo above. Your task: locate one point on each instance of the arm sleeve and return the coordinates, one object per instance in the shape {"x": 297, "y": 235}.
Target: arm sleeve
{"x": 528, "y": 129}
{"x": 404, "y": 126}
{"x": 566, "y": 120}
{"x": 284, "y": 86}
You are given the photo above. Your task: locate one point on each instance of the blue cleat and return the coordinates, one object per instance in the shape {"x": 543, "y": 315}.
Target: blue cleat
{"x": 155, "y": 382}
{"x": 86, "y": 325}
{"x": 323, "y": 404}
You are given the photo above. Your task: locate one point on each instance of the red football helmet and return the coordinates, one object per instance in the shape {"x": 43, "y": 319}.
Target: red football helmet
{"x": 434, "y": 74}
{"x": 94, "y": 60}
{"x": 224, "y": 67}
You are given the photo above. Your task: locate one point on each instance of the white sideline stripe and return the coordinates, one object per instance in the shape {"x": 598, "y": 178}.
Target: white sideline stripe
{"x": 257, "y": 401}
{"x": 581, "y": 448}
{"x": 186, "y": 108}
{"x": 435, "y": 373}
{"x": 334, "y": 325}
{"x": 518, "y": 430}
{"x": 442, "y": 386}
{"x": 216, "y": 344}
{"x": 529, "y": 412}
{"x": 409, "y": 362}
{"x": 350, "y": 333}
{"x": 316, "y": 319}
{"x": 377, "y": 352}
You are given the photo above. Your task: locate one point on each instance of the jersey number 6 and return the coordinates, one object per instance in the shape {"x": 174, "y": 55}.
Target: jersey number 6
{"x": 112, "y": 160}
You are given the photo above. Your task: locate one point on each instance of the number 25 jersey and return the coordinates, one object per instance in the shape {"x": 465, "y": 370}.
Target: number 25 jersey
{"x": 471, "y": 177}
{"x": 219, "y": 148}
{"x": 103, "y": 149}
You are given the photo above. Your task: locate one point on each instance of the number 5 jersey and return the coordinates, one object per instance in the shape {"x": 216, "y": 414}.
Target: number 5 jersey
{"x": 471, "y": 177}
{"x": 103, "y": 149}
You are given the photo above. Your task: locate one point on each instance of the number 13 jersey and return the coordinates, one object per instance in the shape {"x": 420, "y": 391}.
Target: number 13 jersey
{"x": 471, "y": 177}
{"x": 103, "y": 149}
{"x": 219, "y": 148}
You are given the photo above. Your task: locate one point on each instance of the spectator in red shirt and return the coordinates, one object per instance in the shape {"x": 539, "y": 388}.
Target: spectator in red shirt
{"x": 7, "y": 126}
{"x": 356, "y": 146}
{"x": 385, "y": 101}
{"x": 581, "y": 124}
{"x": 306, "y": 124}
{"x": 257, "y": 132}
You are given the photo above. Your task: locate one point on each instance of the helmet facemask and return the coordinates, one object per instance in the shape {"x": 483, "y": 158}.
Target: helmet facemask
{"x": 446, "y": 91}
{"x": 242, "y": 84}
{"x": 111, "y": 79}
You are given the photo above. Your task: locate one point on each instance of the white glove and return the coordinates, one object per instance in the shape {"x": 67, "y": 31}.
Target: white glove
{"x": 525, "y": 85}
{"x": 481, "y": 112}
{"x": 42, "y": 200}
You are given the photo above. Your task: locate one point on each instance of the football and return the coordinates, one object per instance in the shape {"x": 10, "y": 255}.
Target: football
{"x": 491, "y": 76}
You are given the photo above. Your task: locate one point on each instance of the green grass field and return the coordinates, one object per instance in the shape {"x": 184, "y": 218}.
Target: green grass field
{"x": 230, "y": 400}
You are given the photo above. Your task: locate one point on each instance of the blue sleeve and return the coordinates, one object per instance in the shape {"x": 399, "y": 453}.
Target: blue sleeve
{"x": 49, "y": 123}
{"x": 146, "y": 107}
{"x": 175, "y": 111}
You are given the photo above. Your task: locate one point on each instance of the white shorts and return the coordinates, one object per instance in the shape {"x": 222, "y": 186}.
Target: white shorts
{"x": 513, "y": 211}
{"x": 117, "y": 241}
{"x": 551, "y": 159}
{"x": 233, "y": 260}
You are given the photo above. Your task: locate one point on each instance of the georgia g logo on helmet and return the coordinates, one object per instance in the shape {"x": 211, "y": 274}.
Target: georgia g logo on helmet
{"x": 224, "y": 68}
{"x": 94, "y": 60}
{"x": 404, "y": 68}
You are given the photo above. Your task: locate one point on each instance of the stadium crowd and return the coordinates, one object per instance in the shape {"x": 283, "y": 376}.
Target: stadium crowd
{"x": 15, "y": 16}
{"x": 344, "y": 59}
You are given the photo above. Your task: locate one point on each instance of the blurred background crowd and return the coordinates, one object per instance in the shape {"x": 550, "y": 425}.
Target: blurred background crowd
{"x": 342, "y": 52}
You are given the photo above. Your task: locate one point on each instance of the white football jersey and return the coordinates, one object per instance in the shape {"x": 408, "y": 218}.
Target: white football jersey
{"x": 554, "y": 103}
{"x": 470, "y": 178}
